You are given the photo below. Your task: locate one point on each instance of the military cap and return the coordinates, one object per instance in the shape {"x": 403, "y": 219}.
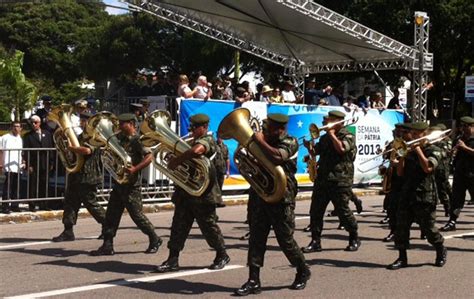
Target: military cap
{"x": 85, "y": 115}
{"x": 399, "y": 125}
{"x": 199, "y": 119}
{"x": 136, "y": 105}
{"x": 81, "y": 103}
{"x": 418, "y": 126}
{"x": 442, "y": 127}
{"x": 467, "y": 120}
{"x": 144, "y": 101}
{"x": 127, "y": 117}
{"x": 435, "y": 128}
{"x": 336, "y": 114}
{"x": 278, "y": 118}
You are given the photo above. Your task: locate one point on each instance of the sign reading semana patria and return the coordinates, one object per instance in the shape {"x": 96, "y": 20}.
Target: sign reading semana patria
{"x": 372, "y": 131}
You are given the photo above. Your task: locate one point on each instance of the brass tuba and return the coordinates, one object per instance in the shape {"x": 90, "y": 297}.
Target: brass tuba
{"x": 267, "y": 179}
{"x": 101, "y": 130}
{"x": 193, "y": 176}
{"x": 65, "y": 136}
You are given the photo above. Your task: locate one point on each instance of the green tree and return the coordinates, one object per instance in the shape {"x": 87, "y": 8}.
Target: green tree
{"x": 19, "y": 94}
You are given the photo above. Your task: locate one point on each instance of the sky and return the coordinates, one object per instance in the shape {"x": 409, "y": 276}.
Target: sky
{"x": 115, "y": 11}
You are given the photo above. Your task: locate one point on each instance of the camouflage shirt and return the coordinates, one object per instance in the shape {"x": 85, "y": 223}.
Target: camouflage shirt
{"x": 445, "y": 147}
{"x": 464, "y": 162}
{"x": 136, "y": 151}
{"x": 222, "y": 155}
{"x": 91, "y": 171}
{"x": 418, "y": 185}
{"x": 335, "y": 168}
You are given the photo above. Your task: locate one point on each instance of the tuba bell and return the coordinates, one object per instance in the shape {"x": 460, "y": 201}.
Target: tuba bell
{"x": 101, "y": 130}
{"x": 193, "y": 176}
{"x": 267, "y": 179}
{"x": 65, "y": 136}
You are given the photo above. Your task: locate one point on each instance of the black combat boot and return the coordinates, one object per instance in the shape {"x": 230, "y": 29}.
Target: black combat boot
{"x": 449, "y": 227}
{"x": 390, "y": 237}
{"x": 401, "y": 262}
{"x": 107, "y": 248}
{"x": 66, "y": 235}
{"x": 358, "y": 204}
{"x": 313, "y": 246}
{"x": 155, "y": 243}
{"x": 354, "y": 243}
{"x": 252, "y": 286}
{"x": 222, "y": 259}
{"x": 441, "y": 255}
{"x": 302, "y": 276}
{"x": 171, "y": 264}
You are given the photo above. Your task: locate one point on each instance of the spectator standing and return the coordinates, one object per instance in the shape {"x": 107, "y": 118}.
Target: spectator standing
{"x": 330, "y": 98}
{"x": 364, "y": 100}
{"x": 250, "y": 94}
{"x": 258, "y": 95}
{"x": 203, "y": 89}
{"x": 287, "y": 94}
{"x": 311, "y": 94}
{"x": 349, "y": 105}
{"x": 228, "y": 91}
{"x": 395, "y": 101}
{"x": 80, "y": 106}
{"x": 43, "y": 114}
{"x": 266, "y": 94}
{"x": 218, "y": 89}
{"x": 38, "y": 162}
{"x": 377, "y": 102}
{"x": 241, "y": 95}
{"x": 11, "y": 165}
{"x": 276, "y": 96}
{"x": 183, "y": 87}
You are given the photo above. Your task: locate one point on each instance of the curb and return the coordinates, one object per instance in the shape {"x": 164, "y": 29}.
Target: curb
{"x": 233, "y": 200}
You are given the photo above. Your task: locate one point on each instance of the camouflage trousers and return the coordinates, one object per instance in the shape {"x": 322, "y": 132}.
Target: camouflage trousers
{"x": 281, "y": 217}
{"x": 130, "y": 198}
{"x": 444, "y": 187}
{"x": 184, "y": 214}
{"x": 393, "y": 202}
{"x": 339, "y": 196}
{"x": 85, "y": 194}
{"x": 461, "y": 184}
{"x": 424, "y": 214}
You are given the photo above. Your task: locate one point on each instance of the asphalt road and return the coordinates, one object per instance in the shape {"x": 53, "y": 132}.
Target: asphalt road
{"x": 32, "y": 266}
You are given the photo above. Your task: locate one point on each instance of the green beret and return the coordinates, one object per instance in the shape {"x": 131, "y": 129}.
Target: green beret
{"x": 442, "y": 127}
{"x": 435, "y": 128}
{"x": 127, "y": 117}
{"x": 278, "y": 118}
{"x": 418, "y": 126}
{"x": 467, "y": 120}
{"x": 336, "y": 114}
{"x": 199, "y": 119}
{"x": 85, "y": 115}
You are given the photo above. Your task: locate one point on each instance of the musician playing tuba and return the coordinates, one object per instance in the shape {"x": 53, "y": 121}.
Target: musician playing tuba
{"x": 337, "y": 151}
{"x": 126, "y": 194}
{"x": 201, "y": 208}
{"x": 82, "y": 185}
{"x": 281, "y": 149}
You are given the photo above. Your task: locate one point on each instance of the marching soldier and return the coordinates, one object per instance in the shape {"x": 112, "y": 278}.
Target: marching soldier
{"x": 128, "y": 195}
{"x": 417, "y": 200}
{"x": 82, "y": 186}
{"x": 202, "y": 208}
{"x": 280, "y": 148}
{"x": 463, "y": 171}
{"x": 337, "y": 152}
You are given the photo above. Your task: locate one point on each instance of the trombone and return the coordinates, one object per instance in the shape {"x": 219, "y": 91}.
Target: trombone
{"x": 315, "y": 131}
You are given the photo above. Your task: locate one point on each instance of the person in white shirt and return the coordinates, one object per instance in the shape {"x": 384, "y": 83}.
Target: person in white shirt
{"x": 80, "y": 106}
{"x": 183, "y": 87}
{"x": 203, "y": 89}
{"x": 11, "y": 164}
{"x": 288, "y": 95}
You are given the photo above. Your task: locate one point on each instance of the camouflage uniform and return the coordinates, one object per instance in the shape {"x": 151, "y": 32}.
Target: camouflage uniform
{"x": 128, "y": 195}
{"x": 417, "y": 201}
{"x": 220, "y": 162}
{"x": 82, "y": 187}
{"x": 463, "y": 179}
{"x": 334, "y": 183}
{"x": 280, "y": 215}
{"x": 202, "y": 208}
{"x": 442, "y": 174}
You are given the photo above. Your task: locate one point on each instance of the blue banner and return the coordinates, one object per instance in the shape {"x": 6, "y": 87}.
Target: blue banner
{"x": 373, "y": 129}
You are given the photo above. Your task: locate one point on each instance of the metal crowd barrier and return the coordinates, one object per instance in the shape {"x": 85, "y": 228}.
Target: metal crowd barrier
{"x": 48, "y": 180}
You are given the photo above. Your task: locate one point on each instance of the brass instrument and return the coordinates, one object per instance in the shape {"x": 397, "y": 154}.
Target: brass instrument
{"x": 315, "y": 131}
{"x": 102, "y": 131}
{"x": 402, "y": 149}
{"x": 267, "y": 179}
{"x": 65, "y": 136}
{"x": 310, "y": 160}
{"x": 193, "y": 176}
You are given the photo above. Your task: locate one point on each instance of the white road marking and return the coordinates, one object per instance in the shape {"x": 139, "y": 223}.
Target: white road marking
{"x": 123, "y": 282}
{"x": 459, "y": 235}
{"x": 24, "y": 245}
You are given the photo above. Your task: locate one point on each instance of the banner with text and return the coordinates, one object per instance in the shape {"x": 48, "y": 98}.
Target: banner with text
{"x": 372, "y": 131}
